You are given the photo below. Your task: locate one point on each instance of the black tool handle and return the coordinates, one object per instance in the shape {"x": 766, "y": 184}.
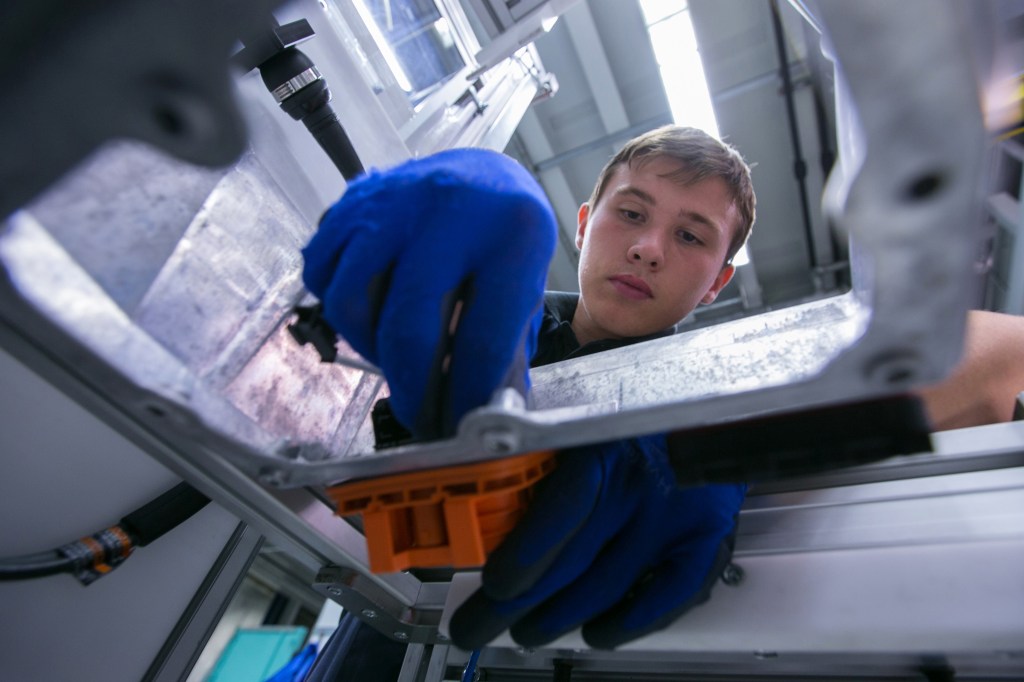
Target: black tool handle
{"x": 155, "y": 518}
{"x": 800, "y": 443}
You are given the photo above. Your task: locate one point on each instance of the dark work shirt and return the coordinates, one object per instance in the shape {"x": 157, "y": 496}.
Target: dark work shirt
{"x": 557, "y": 341}
{"x": 359, "y": 653}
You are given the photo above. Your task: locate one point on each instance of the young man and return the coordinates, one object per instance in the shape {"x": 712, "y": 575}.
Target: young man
{"x": 610, "y": 543}
{"x": 658, "y": 234}
{"x": 411, "y": 277}
{"x": 669, "y": 204}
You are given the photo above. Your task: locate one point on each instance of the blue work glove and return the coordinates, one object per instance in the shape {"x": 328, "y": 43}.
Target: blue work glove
{"x": 610, "y": 542}
{"x": 434, "y": 271}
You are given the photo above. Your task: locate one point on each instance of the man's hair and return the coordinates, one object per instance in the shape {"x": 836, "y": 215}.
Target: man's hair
{"x": 701, "y": 157}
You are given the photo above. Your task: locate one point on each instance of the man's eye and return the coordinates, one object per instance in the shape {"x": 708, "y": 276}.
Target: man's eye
{"x": 687, "y": 237}
{"x": 633, "y": 216}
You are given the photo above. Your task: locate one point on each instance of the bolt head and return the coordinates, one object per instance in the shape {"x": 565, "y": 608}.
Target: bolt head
{"x": 402, "y": 635}
{"x": 336, "y": 591}
{"x": 369, "y": 613}
{"x": 273, "y": 478}
{"x": 499, "y": 440}
{"x": 893, "y": 369}
{"x": 733, "y": 575}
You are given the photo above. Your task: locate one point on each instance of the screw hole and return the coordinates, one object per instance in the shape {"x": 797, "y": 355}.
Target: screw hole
{"x": 169, "y": 120}
{"x": 896, "y": 368}
{"x": 925, "y": 186}
{"x": 899, "y": 375}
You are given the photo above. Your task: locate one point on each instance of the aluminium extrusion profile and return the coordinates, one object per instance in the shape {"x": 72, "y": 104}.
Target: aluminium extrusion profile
{"x": 201, "y": 362}
{"x": 866, "y": 578}
{"x": 219, "y": 302}
{"x": 880, "y": 568}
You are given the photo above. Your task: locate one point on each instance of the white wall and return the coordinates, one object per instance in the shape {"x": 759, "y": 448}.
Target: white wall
{"x": 66, "y": 475}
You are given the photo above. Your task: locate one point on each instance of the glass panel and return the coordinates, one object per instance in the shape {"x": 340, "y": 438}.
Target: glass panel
{"x": 418, "y": 42}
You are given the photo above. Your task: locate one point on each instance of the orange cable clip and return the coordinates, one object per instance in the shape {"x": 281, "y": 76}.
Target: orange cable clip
{"x": 452, "y": 516}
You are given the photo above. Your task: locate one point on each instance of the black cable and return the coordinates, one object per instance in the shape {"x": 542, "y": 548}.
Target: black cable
{"x": 94, "y": 556}
{"x": 303, "y": 94}
{"x": 826, "y": 136}
{"x": 298, "y": 87}
{"x": 153, "y": 519}
{"x": 799, "y": 165}
{"x": 35, "y": 566}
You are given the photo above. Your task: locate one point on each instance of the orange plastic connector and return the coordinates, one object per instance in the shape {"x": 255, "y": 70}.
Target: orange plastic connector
{"x": 452, "y": 516}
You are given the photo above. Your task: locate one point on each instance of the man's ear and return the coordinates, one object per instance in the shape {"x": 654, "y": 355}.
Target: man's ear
{"x": 581, "y": 224}
{"x": 721, "y": 280}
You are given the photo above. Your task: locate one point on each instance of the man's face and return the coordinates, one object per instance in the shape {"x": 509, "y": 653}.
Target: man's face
{"x": 651, "y": 250}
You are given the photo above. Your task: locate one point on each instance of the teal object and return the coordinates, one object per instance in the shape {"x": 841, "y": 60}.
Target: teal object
{"x": 255, "y": 654}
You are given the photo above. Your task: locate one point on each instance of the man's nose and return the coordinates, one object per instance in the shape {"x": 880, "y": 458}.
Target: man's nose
{"x": 648, "y": 250}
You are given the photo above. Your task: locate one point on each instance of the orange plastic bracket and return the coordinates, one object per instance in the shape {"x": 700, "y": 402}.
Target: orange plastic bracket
{"x": 453, "y": 516}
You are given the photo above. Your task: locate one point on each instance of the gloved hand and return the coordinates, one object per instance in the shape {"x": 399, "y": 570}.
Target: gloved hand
{"x": 610, "y": 542}
{"x": 434, "y": 271}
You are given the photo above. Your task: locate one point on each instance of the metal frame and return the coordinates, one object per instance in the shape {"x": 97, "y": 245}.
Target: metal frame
{"x": 504, "y": 665}
{"x": 1008, "y": 213}
{"x": 127, "y": 324}
{"x": 186, "y": 642}
{"x": 911, "y": 218}
{"x": 129, "y": 74}
{"x": 192, "y": 371}
{"x": 871, "y": 530}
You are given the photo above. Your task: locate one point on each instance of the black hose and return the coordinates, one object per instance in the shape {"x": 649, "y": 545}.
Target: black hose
{"x": 311, "y": 105}
{"x": 35, "y": 566}
{"x": 96, "y": 555}
{"x": 799, "y": 165}
{"x": 155, "y": 518}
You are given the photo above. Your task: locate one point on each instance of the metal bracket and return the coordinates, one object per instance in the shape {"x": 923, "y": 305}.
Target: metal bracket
{"x": 386, "y": 614}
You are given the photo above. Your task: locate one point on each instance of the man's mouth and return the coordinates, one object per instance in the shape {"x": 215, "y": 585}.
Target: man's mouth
{"x": 631, "y": 287}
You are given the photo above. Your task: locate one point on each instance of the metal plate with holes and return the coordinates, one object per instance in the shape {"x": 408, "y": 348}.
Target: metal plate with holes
{"x": 193, "y": 336}
{"x": 165, "y": 291}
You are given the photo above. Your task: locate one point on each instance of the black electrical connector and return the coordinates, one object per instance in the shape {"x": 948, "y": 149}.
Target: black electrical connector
{"x": 152, "y": 520}
{"x": 311, "y": 327}
{"x": 812, "y": 441}
{"x": 298, "y": 87}
{"x": 303, "y": 94}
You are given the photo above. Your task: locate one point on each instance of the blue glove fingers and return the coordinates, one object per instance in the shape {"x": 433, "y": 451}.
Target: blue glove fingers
{"x": 561, "y": 504}
{"x": 358, "y": 289}
{"x": 607, "y": 579}
{"x": 322, "y": 253}
{"x": 566, "y": 612}
{"x": 408, "y": 239}
{"x": 411, "y": 341}
{"x": 480, "y": 619}
{"x": 529, "y": 613}
{"x": 349, "y": 259}
{"x": 678, "y": 584}
{"x": 494, "y": 336}
{"x": 667, "y": 522}
{"x": 434, "y": 382}
{"x": 358, "y": 210}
